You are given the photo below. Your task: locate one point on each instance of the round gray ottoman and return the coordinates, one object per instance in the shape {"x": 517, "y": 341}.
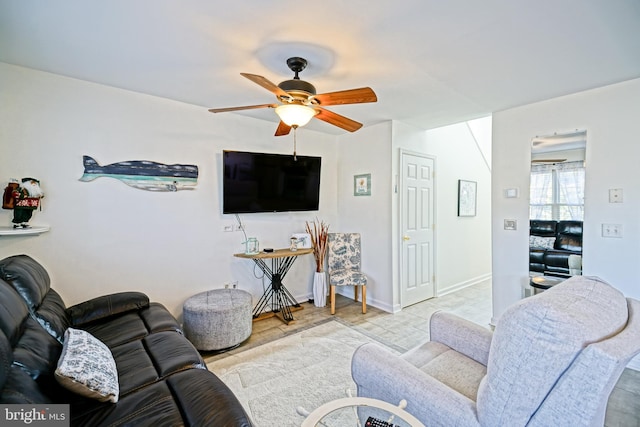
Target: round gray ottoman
{"x": 218, "y": 319}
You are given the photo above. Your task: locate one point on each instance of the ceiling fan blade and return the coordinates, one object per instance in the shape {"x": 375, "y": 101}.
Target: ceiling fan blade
{"x": 283, "y": 129}
{"x": 351, "y": 96}
{"x": 246, "y": 107}
{"x": 337, "y": 120}
{"x": 268, "y": 85}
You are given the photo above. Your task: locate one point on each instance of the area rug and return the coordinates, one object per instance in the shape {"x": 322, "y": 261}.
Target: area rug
{"x": 306, "y": 369}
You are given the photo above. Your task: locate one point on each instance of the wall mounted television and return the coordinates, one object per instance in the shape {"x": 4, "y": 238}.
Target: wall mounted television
{"x": 261, "y": 182}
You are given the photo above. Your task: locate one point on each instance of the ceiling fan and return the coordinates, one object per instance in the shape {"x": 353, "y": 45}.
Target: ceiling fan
{"x": 299, "y": 102}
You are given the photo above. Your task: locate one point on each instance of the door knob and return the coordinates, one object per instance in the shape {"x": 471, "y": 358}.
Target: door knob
{"x": 405, "y": 238}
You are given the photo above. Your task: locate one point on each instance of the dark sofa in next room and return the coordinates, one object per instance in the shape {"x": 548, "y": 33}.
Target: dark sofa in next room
{"x": 116, "y": 359}
{"x": 555, "y": 247}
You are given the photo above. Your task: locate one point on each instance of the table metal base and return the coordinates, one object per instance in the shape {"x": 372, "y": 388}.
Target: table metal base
{"x": 277, "y": 296}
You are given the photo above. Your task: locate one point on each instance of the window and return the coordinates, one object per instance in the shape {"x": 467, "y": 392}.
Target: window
{"x": 557, "y": 191}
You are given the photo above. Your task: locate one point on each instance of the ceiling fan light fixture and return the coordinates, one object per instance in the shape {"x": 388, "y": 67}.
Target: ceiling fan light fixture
{"x": 295, "y": 115}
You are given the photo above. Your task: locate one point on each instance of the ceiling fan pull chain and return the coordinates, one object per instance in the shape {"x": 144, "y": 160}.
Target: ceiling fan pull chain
{"x": 295, "y": 128}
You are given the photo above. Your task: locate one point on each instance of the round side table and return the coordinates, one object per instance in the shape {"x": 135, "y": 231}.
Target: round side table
{"x": 344, "y": 412}
{"x": 542, "y": 283}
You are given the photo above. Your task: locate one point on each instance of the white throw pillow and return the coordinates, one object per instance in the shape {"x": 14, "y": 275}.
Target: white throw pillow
{"x": 86, "y": 367}
{"x": 541, "y": 242}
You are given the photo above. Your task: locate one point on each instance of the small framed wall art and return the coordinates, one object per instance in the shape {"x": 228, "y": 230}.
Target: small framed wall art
{"x": 466, "y": 198}
{"x": 362, "y": 185}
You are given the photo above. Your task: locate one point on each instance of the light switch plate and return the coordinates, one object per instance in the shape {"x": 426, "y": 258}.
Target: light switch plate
{"x": 612, "y": 230}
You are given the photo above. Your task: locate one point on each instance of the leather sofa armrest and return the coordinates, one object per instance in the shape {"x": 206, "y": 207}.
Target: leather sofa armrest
{"x": 461, "y": 335}
{"x": 106, "y": 306}
{"x": 380, "y": 374}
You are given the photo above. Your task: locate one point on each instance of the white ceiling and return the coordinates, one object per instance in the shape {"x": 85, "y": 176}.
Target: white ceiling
{"x": 431, "y": 62}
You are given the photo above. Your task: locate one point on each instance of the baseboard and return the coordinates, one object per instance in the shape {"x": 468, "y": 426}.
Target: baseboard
{"x": 462, "y": 285}
{"x": 634, "y": 364}
{"x": 372, "y": 302}
{"x": 493, "y": 322}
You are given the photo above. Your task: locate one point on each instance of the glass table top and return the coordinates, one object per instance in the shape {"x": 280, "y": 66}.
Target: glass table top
{"x": 355, "y": 411}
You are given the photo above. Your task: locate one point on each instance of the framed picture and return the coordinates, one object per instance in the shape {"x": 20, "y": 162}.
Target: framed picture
{"x": 303, "y": 240}
{"x": 466, "y": 198}
{"x": 362, "y": 185}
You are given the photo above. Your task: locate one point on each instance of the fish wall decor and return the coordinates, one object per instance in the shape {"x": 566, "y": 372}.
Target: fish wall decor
{"x": 143, "y": 174}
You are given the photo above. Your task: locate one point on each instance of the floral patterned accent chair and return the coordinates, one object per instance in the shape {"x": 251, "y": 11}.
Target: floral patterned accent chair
{"x": 344, "y": 263}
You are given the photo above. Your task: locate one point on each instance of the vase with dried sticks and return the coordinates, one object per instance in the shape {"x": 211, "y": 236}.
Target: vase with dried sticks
{"x": 318, "y": 231}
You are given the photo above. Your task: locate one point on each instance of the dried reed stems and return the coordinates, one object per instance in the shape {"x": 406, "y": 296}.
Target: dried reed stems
{"x": 319, "y": 234}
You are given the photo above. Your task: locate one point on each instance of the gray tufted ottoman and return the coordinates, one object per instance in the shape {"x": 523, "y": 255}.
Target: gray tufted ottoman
{"x": 218, "y": 319}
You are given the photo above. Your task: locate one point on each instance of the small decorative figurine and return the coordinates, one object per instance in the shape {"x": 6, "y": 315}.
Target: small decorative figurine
{"x": 25, "y": 199}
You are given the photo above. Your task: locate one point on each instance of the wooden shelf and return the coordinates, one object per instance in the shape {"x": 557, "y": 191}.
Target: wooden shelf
{"x": 34, "y": 230}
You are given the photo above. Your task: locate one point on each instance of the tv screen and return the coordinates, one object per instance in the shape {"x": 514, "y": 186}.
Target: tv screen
{"x": 260, "y": 182}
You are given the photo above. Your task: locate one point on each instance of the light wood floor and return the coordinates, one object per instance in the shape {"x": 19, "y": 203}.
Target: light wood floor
{"x": 409, "y": 328}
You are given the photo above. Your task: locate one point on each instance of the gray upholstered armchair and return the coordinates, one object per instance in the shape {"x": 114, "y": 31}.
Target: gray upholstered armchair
{"x": 552, "y": 361}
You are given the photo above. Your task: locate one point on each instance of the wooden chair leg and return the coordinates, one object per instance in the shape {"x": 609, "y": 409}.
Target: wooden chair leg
{"x": 364, "y": 299}
{"x": 332, "y": 296}
{"x": 355, "y": 293}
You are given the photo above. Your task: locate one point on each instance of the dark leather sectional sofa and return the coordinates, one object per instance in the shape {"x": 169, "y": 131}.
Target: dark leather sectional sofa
{"x": 552, "y": 244}
{"x": 163, "y": 380}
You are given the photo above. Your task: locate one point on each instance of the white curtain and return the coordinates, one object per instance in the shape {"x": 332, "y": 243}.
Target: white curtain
{"x": 557, "y": 191}
{"x": 571, "y": 190}
{"x": 541, "y": 196}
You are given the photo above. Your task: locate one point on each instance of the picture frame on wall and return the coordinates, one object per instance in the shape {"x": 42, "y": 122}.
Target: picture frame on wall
{"x": 362, "y": 185}
{"x": 467, "y": 197}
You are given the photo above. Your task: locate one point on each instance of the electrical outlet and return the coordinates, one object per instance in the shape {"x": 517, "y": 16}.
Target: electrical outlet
{"x": 238, "y": 227}
{"x": 510, "y": 224}
{"x": 226, "y": 285}
{"x": 227, "y": 228}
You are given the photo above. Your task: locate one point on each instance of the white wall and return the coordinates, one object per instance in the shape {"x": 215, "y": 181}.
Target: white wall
{"x": 464, "y": 255}
{"x": 108, "y": 237}
{"x": 610, "y": 116}
{"x": 363, "y": 152}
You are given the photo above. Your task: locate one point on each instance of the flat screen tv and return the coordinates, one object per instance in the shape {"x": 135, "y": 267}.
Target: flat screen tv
{"x": 261, "y": 182}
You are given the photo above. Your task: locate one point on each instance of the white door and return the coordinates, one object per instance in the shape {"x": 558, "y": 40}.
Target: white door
{"x": 416, "y": 228}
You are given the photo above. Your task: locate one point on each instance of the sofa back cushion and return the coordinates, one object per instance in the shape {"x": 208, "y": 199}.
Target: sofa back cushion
{"x": 30, "y": 279}
{"x": 32, "y": 352}
{"x": 543, "y": 228}
{"x": 569, "y": 236}
{"x": 52, "y": 315}
{"x": 538, "y": 338}
{"x": 6, "y": 356}
{"x": 27, "y": 277}
{"x": 13, "y": 313}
